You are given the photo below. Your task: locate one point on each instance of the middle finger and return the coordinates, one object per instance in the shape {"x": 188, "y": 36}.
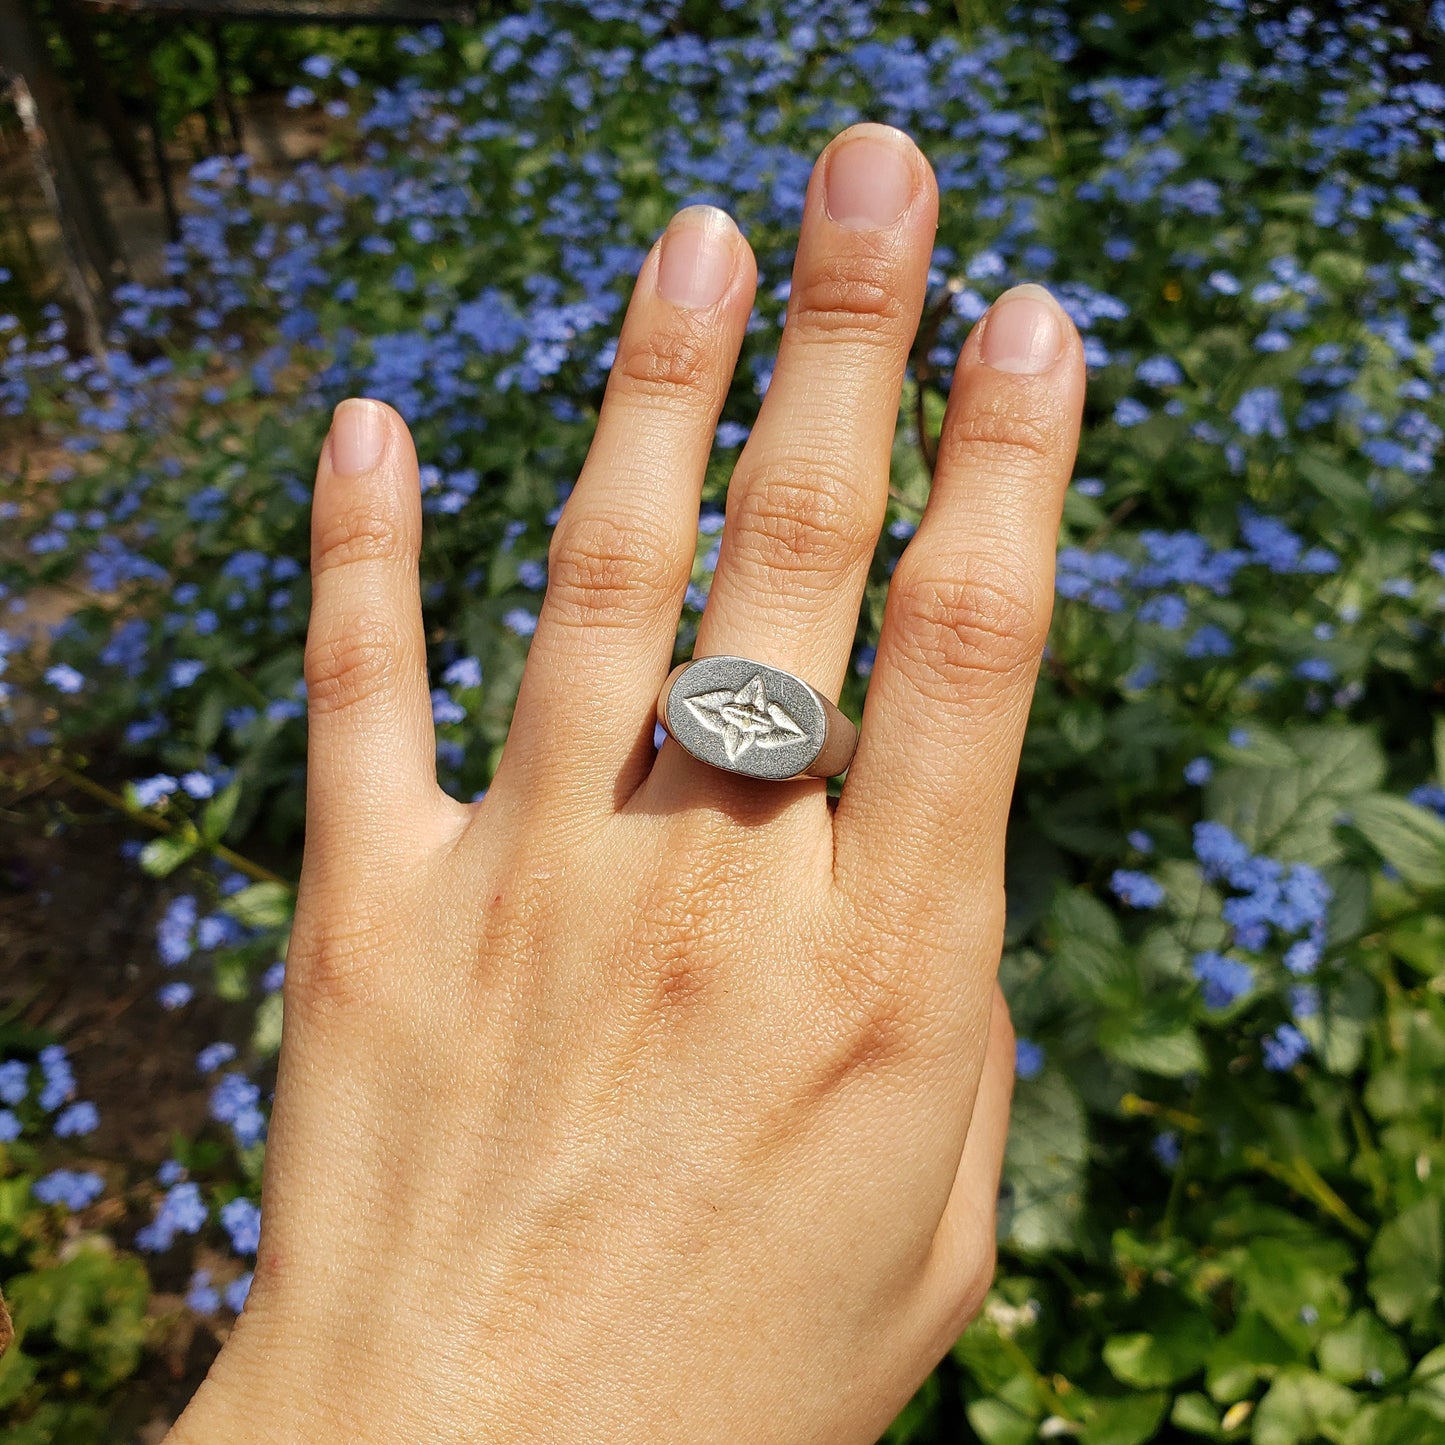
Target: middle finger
{"x": 808, "y": 497}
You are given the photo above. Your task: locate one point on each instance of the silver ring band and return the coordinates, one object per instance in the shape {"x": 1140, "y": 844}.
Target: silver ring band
{"x": 746, "y": 717}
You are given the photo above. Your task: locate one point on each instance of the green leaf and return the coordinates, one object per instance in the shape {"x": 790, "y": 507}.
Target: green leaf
{"x": 1420, "y": 942}
{"x": 1174, "y": 1348}
{"x": 1194, "y": 905}
{"x": 1153, "y": 1040}
{"x": 1044, "y": 1166}
{"x": 1077, "y": 913}
{"x": 1410, "y": 839}
{"x": 1289, "y": 1280}
{"x": 218, "y": 814}
{"x": 1266, "y": 748}
{"x": 1300, "y": 1406}
{"x": 1095, "y": 972}
{"x": 1362, "y": 1349}
{"x": 1196, "y": 1414}
{"x": 1406, "y": 1260}
{"x": 1344, "y": 762}
{"x": 1427, "y": 1383}
{"x": 1073, "y": 822}
{"x": 1162, "y": 957}
{"x": 1337, "y": 1032}
{"x": 1290, "y": 812}
{"x": 1032, "y": 870}
{"x": 1082, "y": 728}
{"x": 1344, "y": 488}
{"x": 989, "y": 1348}
{"x": 17, "y": 1374}
{"x": 262, "y": 905}
{"x": 1395, "y": 1422}
{"x": 266, "y": 1034}
{"x": 1251, "y": 1351}
{"x": 1349, "y": 914}
{"x": 62, "y": 1423}
{"x": 92, "y": 1304}
{"x": 1081, "y": 512}
{"x": 1439, "y": 740}
{"x": 1412, "y": 1071}
{"x": 162, "y": 856}
{"x": 1091, "y": 959}
{"x": 1339, "y": 270}
{"x": 1128, "y": 1420}
{"x": 998, "y": 1423}
{"x": 210, "y": 718}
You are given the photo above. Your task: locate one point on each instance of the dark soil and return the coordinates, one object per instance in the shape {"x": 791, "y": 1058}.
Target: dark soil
{"x": 78, "y": 966}
{"x": 78, "y": 963}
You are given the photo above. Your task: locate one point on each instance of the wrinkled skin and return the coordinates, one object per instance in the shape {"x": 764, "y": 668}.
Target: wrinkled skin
{"x": 640, "y": 1101}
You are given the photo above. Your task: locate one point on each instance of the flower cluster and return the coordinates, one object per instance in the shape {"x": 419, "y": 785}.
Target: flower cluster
{"x": 27, "y": 1100}
{"x": 184, "y": 1210}
{"x": 1286, "y": 906}
{"x": 1273, "y": 900}
{"x": 1239, "y": 212}
{"x": 76, "y": 1189}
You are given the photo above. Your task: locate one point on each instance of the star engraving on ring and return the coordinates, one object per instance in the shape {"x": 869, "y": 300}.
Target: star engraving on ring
{"x": 745, "y": 719}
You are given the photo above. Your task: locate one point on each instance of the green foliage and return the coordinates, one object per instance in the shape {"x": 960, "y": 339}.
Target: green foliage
{"x": 183, "y": 73}
{"x": 79, "y": 1309}
{"x": 1222, "y": 1213}
{"x": 1047, "y": 1151}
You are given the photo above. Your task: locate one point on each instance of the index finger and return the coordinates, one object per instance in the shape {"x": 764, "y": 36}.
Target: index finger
{"x": 927, "y": 798}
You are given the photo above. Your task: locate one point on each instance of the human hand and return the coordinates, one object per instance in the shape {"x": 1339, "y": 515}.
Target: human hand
{"x": 641, "y": 1101}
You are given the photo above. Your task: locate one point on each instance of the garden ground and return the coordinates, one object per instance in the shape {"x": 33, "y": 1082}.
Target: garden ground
{"x": 1225, "y": 953}
{"x": 78, "y": 961}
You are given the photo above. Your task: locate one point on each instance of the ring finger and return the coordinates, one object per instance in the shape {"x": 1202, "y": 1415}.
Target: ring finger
{"x": 808, "y": 497}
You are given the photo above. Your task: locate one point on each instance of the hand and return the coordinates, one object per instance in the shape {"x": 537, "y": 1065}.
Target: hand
{"x": 641, "y": 1101}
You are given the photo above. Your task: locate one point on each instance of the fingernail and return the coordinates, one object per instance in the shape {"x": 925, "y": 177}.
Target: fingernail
{"x": 697, "y": 257}
{"x": 1022, "y": 332}
{"x": 357, "y": 433}
{"x": 870, "y": 179}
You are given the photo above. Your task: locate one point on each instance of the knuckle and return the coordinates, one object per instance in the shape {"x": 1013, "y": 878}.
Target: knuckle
{"x": 856, "y": 295}
{"x": 356, "y": 534}
{"x": 880, "y": 1023}
{"x": 681, "y": 984}
{"x": 604, "y": 571}
{"x": 335, "y": 971}
{"x": 678, "y": 969}
{"x": 678, "y": 964}
{"x": 345, "y": 666}
{"x": 998, "y": 436}
{"x": 985, "y": 619}
{"x": 666, "y": 363}
{"x": 797, "y": 516}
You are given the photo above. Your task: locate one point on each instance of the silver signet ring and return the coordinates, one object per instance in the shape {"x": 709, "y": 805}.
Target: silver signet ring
{"x": 746, "y": 717}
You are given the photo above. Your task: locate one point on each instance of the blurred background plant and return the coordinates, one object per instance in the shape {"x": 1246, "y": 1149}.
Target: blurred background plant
{"x": 1225, "y": 952}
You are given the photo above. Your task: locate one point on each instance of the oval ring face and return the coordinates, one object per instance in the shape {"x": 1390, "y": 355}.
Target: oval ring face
{"x": 746, "y": 717}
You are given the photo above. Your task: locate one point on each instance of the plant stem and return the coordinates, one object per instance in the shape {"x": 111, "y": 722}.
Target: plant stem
{"x": 114, "y": 800}
{"x": 1301, "y": 1176}
{"x": 1046, "y": 1392}
{"x": 1298, "y": 1174}
{"x": 1369, "y": 1156}
{"x": 1134, "y": 1106}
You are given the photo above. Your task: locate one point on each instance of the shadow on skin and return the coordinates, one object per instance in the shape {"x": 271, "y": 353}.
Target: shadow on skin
{"x": 674, "y": 782}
